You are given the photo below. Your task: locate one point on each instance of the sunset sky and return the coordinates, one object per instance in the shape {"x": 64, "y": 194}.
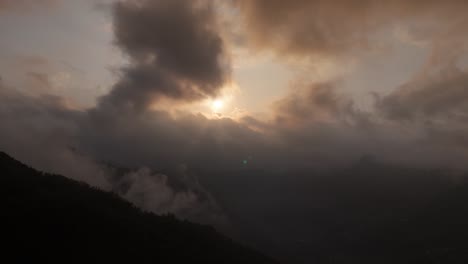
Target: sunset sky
{"x": 227, "y": 97}
{"x": 67, "y": 48}
{"x": 71, "y": 44}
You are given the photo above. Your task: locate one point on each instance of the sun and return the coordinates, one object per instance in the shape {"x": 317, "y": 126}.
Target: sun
{"x": 217, "y": 105}
{"x": 222, "y": 104}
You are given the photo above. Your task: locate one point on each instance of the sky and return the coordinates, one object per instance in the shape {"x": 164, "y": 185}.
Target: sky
{"x": 211, "y": 110}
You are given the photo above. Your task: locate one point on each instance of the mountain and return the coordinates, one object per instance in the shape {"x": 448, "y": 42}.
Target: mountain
{"x": 49, "y": 218}
{"x": 365, "y": 213}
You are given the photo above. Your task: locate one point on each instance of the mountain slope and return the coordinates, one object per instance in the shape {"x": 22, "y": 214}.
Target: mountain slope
{"x": 368, "y": 212}
{"x": 51, "y": 218}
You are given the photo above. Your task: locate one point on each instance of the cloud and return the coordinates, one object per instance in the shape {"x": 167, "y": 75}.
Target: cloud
{"x": 174, "y": 49}
{"x": 174, "y": 53}
{"x": 437, "y": 91}
{"x": 441, "y": 95}
{"x": 315, "y": 101}
{"x": 153, "y": 192}
{"x": 44, "y": 131}
{"x": 39, "y": 131}
{"x": 41, "y": 79}
{"x": 339, "y": 27}
{"x": 25, "y": 4}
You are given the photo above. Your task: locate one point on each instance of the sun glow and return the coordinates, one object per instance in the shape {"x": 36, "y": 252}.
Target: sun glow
{"x": 221, "y": 105}
{"x": 217, "y": 105}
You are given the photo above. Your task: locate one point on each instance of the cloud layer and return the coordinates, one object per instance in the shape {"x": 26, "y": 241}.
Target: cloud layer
{"x": 337, "y": 27}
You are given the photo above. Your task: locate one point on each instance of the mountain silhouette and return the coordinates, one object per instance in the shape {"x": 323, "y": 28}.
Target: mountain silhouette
{"x": 52, "y": 219}
{"x": 368, "y": 212}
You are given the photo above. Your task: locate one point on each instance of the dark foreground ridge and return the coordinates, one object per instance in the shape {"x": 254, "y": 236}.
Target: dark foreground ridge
{"x": 49, "y": 218}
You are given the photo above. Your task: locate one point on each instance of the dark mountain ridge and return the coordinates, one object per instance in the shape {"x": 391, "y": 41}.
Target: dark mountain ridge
{"x": 49, "y": 218}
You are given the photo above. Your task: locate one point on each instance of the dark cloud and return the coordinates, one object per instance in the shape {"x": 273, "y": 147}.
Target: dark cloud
{"x": 431, "y": 96}
{"x": 175, "y": 52}
{"x": 151, "y": 138}
{"x": 40, "y": 131}
{"x": 316, "y": 101}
